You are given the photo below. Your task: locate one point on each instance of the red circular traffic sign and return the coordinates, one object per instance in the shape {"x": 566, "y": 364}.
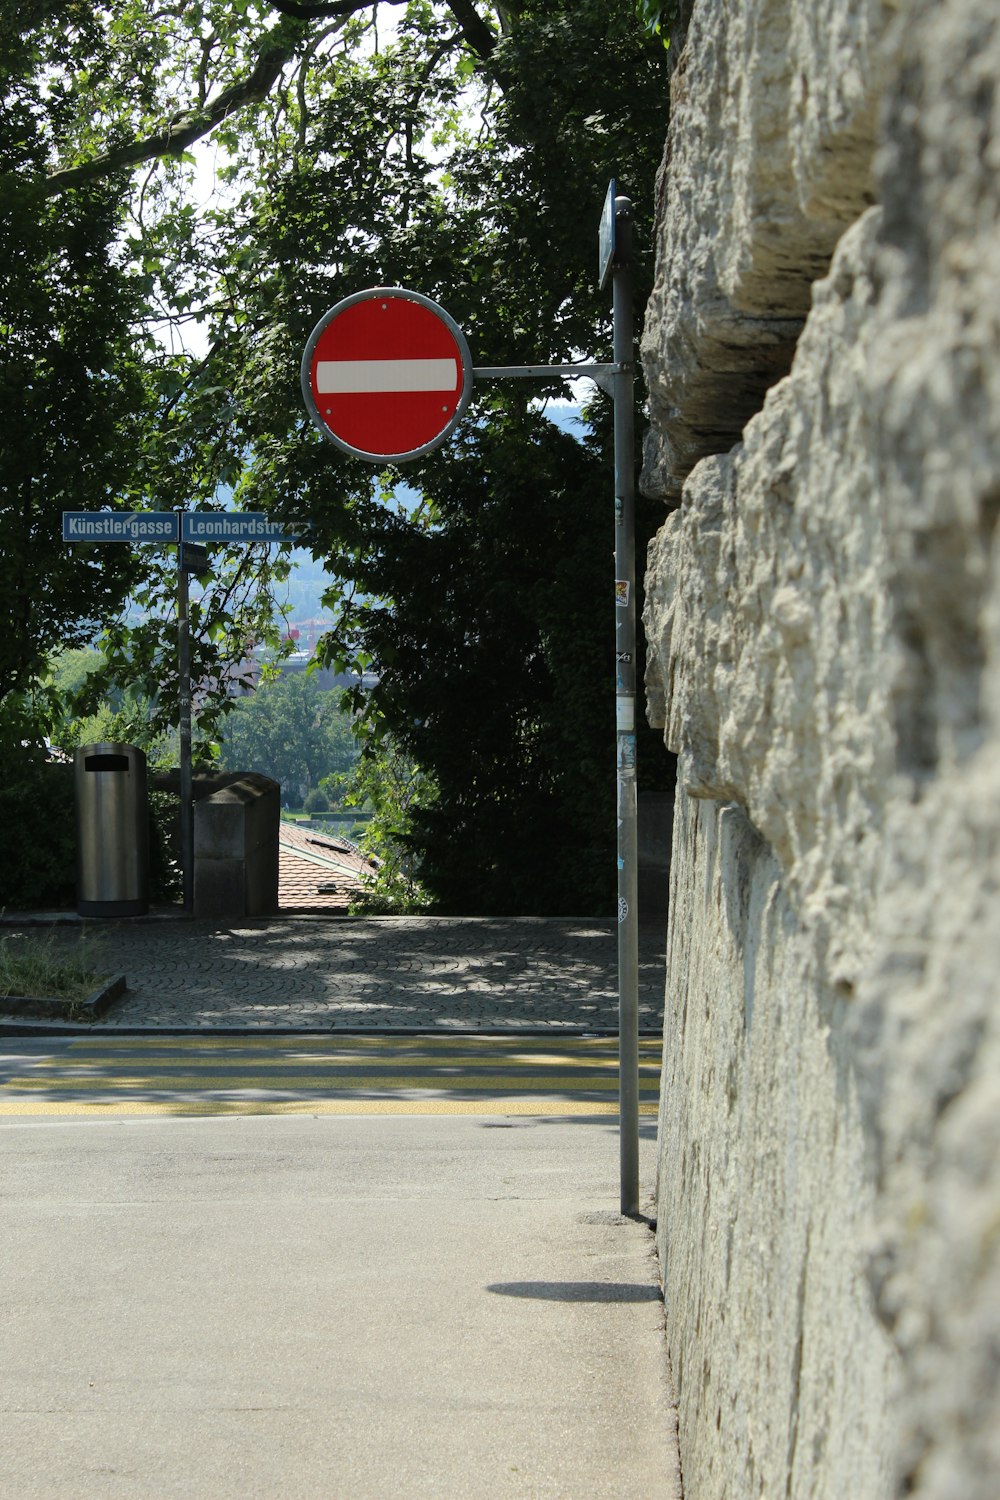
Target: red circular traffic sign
{"x": 387, "y": 374}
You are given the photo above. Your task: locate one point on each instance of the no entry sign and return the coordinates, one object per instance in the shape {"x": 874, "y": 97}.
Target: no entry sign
{"x": 387, "y": 374}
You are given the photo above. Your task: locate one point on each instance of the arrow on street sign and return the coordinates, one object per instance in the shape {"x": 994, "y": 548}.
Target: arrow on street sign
{"x": 387, "y": 375}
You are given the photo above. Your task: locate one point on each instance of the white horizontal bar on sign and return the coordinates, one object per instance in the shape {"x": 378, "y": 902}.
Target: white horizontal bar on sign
{"x": 355, "y": 377}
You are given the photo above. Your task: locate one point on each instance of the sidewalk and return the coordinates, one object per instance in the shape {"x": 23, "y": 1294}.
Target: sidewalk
{"x": 370, "y": 974}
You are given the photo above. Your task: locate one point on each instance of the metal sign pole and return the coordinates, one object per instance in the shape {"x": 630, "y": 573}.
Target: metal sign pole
{"x": 184, "y": 722}
{"x": 336, "y": 369}
{"x": 625, "y": 640}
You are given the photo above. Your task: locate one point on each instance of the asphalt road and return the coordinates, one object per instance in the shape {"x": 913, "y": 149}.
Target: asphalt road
{"x": 301, "y": 1251}
{"x": 332, "y": 1306}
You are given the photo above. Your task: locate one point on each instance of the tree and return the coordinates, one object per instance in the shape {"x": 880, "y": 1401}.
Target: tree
{"x": 292, "y": 731}
{"x": 664, "y": 18}
{"x": 455, "y": 158}
{"x": 484, "y": 612}
{"x": 71, "y": 389}
{"x": 495, "y": 672}
{"x": 70, "y": 672}
{"x": 97, "y": 412}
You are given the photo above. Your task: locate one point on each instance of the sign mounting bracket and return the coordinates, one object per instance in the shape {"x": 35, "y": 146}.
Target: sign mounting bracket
{"x": 602, "y": 375}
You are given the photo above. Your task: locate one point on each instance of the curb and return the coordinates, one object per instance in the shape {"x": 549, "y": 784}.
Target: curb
{"x": 74, "y": 919}
{"x": 169, "y": 915}
{"x": 60, "y": 1010}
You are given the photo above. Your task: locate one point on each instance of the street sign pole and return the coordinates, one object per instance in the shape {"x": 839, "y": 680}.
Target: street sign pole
{"x": 184, "y": 723}
{"x": 618, "y": 378}
{"x": 625, "y": 646}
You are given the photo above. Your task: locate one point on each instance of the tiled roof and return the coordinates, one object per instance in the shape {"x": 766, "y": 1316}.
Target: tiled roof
{"x": 318, "y": 871}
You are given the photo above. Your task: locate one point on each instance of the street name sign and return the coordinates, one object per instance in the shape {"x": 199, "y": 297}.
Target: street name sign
{"x": 231, "y": 526}
{"x": 136, "y": 526}
{"x": 387, "y": 375}
{"x": 202, "y": 526}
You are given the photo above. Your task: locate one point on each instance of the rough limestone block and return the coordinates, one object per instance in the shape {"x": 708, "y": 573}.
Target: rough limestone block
{"x": 928, "y": 1043}
{"x": 837, "y": 72}
{"x": 768, "y": 629}
{"x": 764, "y": 1201}
{"x": 767, "y": 162}
{"x": 767, "y": 603}
{"x": 824, "y": 617}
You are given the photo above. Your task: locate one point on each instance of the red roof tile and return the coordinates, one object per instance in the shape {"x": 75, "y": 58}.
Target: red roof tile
{"x": 318, "y": 871}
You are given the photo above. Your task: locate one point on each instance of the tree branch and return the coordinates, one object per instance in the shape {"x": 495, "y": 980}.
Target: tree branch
{"x": 183, "y": 129}
{"x": 188, "y": 126}
{"x": 475, "y": 30}
{"x": 301, "y": 10}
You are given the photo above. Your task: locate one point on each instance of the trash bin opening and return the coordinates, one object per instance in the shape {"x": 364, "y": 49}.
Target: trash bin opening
{"x": 105, "y": 763}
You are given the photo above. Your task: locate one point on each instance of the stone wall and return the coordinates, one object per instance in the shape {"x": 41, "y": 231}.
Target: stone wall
{"x": 822, "y": 352}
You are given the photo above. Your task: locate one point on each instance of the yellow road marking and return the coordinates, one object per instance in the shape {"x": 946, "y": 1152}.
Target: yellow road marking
{"x": 518, "y": 1076}
{"x": 274, "y": 1082}
{"x": 380, "y": 1043}
{"x": 340, "y": 1061}
{"x": 538, "y": 1105}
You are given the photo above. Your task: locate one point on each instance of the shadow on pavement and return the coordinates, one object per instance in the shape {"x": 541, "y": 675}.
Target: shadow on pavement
{"x": 578, "y": 1291}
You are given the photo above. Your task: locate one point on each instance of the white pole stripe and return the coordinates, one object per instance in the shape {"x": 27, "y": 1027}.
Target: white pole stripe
{"x": 344, "y": 377}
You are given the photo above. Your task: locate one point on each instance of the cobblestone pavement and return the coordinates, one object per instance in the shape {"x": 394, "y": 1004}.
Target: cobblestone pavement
{"x": 384, "y": 973}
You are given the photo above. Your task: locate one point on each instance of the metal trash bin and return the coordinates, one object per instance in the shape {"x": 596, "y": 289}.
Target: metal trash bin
{"x": 112, "y": 831}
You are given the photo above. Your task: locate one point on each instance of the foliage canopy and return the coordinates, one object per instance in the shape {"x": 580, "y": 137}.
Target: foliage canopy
{"x": 290, "y": 730}
{"x": 462, "y": 149}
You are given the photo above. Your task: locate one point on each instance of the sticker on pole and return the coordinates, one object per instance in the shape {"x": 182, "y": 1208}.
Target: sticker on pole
{"x": 387, "y": 375}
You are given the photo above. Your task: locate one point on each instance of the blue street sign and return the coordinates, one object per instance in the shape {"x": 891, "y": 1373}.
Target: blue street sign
{"x": 231, "y": 526}
{"x": 161, "y": 526}
{"x": 134, "y": 526}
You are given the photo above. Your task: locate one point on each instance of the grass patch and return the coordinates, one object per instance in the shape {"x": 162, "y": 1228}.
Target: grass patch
{"x": 44, "y": 967}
